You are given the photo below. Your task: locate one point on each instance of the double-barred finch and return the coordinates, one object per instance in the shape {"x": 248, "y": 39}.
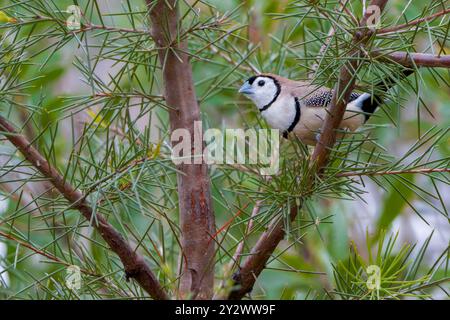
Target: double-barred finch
{"x": 300, "y": 107}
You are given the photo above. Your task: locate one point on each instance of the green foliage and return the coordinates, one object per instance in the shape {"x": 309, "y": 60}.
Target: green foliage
{"x": 92, "y": 102}
{"x": 386, "y": 273}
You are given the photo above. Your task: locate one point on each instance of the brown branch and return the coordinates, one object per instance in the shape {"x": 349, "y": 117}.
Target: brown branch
{"x": 341, "y": 95}
{"x": 246, "y": 277}
{"x": 134, "y": 264}
{"x": 196, "y": 212}
{"x": 381, "y": 173}
{"x": 261, "y": 252}
{"x": 413, "y": 59}
{"x": 413, "y": 22}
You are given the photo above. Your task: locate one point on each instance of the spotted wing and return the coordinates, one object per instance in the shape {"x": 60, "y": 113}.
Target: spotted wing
{"x": 322, "y": 98}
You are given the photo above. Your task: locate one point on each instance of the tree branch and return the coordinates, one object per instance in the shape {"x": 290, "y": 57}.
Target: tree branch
{"x": 261, "y": 252}
{"x": 246, "y": 277}
{"x": 134, "y": 264}
{"x": 413, "y": 22}
{"x": 413, "y": 59}
{"x": 196, "y": 213}
{"x": 341, "y": 95}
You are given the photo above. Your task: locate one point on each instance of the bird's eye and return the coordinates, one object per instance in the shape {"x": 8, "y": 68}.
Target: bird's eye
{"x": 261, "y": 83}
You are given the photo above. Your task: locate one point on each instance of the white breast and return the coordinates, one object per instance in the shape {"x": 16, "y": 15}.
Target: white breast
{"x": 281, "y": 113}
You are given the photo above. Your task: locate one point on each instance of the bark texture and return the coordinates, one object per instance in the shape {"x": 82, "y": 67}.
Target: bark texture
{"x": 413, "y": 59}
{"x": 196, "y": 213}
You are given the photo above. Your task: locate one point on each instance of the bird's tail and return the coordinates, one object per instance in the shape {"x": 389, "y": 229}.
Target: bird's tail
{"x": 370, "y": 102}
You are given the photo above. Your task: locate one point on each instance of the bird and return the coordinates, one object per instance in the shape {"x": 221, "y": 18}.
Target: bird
{"x": 300, "y": 107}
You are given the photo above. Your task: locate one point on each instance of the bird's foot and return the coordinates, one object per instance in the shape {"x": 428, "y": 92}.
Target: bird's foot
{"x": 318, "y": 137}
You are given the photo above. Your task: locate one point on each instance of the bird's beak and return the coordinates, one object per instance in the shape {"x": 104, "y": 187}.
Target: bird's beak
{"x": 246, "y": 89}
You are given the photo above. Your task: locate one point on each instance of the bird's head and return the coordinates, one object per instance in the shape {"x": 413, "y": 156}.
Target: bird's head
{"x": 262, "y": 89}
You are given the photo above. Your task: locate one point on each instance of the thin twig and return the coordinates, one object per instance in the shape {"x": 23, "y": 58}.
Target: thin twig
{"x": 237, "y": 255}
{"x": 413, "y": 22}
{"x": 83, "y": 28}
{"x": 235, "y": 259}
{"x": 45, "y": 254}
{"x": 331, "y": 32}
{"x": 393, "y": 172}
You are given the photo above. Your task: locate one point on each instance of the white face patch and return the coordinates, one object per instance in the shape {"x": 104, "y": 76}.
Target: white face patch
{"x": 262, "y": 90}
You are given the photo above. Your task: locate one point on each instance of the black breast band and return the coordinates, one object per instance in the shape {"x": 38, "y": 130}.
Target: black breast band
{"x": 296, "y": 119}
